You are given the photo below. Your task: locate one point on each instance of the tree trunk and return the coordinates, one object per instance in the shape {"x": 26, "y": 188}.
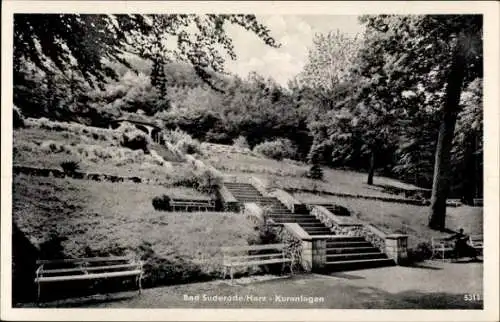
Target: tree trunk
{"x": 469, "y": 171}
{"x": 372, "y": 167}
{"x": 441, "y": 178}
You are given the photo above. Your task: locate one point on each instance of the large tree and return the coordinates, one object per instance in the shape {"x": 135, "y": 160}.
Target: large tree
{"x": 437, "y": 55}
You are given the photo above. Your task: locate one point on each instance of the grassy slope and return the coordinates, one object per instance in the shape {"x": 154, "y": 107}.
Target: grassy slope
{"x": 390, "y": 217}
{"x": 290, "y": 174}
{"x": 100, "y": 154}
{"x": 110, "y": 218}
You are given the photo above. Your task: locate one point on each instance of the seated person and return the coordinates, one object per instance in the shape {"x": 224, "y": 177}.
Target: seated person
{"x": 462, "y": 247}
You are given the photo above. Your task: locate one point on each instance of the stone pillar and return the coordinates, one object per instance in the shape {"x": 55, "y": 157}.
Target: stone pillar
{"x": 318, "y": 253}
{"x": 396, "y": 247}
{"x": 307, "y": 258}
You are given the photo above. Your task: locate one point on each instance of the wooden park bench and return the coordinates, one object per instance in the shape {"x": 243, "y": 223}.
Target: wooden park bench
{"x": 476, "y": 241}
{"x": 254, "y": 255}
{"x": 71, "y": 270}
{"x": 185, "y": 204}
{"x": 440, "y": 246}
{"x": 478, "y": 202}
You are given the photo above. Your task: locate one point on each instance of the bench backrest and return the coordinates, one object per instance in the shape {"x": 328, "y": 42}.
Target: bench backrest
{"x": 87, "y": 260}
{"x": 438, "y": 242}
{"x": 241, "y": 249}
{"x": 476, "y": 240}
{"x": 261, "y": 252}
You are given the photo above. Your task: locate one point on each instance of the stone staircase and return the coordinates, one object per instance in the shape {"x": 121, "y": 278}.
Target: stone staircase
{"x": 345, "y": 252}
{"x": 245, "y": 192}
{"x": 342, "y": 252}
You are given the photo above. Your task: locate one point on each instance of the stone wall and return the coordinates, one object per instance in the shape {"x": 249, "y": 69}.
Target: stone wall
{"x": 228, "y": 201}
{"x": 287, "y": 199}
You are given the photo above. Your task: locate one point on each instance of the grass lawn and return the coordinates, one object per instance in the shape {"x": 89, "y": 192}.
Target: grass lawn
{"x": 391, "y": 217}
{"x": 100, "y": 219}
{"x": 288, "y": 174}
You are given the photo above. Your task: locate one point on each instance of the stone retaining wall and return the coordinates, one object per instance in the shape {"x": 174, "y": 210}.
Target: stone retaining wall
{"x": 287, "y": 199}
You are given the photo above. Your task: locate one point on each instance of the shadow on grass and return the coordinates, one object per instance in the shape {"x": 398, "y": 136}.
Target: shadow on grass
{"x": 347, "y": 276}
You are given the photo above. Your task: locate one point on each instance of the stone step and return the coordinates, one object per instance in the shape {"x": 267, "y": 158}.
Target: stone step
{"x": 358, "y": 264}
{"x": 291, "y": 220}
{"x": 315, "y": 228}
{"x": 344, "y": 238}
{"x": 246, "y": 193}
{"x": 312, "y": 224}
{"x": 344, "y": 250}
{"x": 319, "y": 232}
{"x": 330, "y": 258}
{"x": 341, "y": 244}
{"x": 301, "y": 218}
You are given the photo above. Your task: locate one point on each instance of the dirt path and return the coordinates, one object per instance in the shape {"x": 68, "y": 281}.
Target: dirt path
{"x": 432, "y": 285}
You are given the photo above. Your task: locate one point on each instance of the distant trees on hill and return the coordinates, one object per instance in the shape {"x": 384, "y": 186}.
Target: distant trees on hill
{"x": 385, "y": 101}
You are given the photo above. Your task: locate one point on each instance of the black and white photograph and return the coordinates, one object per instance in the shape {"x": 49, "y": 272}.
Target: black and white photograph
{"x": 196, "y": 159}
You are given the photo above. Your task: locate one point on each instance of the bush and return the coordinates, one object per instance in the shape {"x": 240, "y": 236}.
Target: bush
{"x": 135, "y": 140}
{"x": 315, "y": 172}
{"x": 241, "y": 142}
{"x": 176, "y": 136}
{"x": 70, "y": 166}
{"x": 17, "y": 118}
{"x": 162, "y": 203}
{"x": 208, "y": 180}
{"x": 278, "y": 149}
{"x": 341, "y": 210}
{"x": 189, "y": 146}
{"x": 422, "y": 252}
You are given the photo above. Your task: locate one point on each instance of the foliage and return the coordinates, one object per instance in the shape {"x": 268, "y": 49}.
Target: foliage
{"x": 208, "y": 180}
{"x": 420, "y": 253}
{"x": 315, "y": 172}
{"x": 70, "y": 166}
{"x": 277, "y": 149}
{"x": 17, "y": 118}
{"x": 189, "y": 145}
{"x": 241, "y": 142}
{"x": 135, "y": 140}
{"x": 162, "y": 203}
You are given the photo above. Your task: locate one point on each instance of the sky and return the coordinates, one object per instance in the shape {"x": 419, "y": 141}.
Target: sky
{"x": 295, "y": 34}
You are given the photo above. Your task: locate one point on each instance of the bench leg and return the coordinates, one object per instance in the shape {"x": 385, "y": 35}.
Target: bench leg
{"x": 38, "y": 294}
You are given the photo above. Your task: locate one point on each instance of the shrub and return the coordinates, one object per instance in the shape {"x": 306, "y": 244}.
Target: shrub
{"x": 17, "y": 117}
{"x": 315, "y": 172}
{"x": 176, "y": 136}
{"x": 189, "y": 146}
{"x": 208, "y": 180}
{"x": 135, "y": 140}
{"x": 241, "y": 142}
{"x": 162, "y": 203}
{"x": 341, "y": 210}
{"x": 70, "y": 166}
{"x": 421, "y": 252}
{"x": 278, "y": 149}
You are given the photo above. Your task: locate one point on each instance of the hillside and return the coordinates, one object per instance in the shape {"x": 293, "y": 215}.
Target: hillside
{"x": 64, "y": 217}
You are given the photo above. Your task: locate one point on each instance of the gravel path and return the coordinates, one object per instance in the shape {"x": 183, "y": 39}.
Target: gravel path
{"x": 432, "y": 285}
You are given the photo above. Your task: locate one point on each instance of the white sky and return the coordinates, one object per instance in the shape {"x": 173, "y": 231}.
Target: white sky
{"x": 294, "y": 32}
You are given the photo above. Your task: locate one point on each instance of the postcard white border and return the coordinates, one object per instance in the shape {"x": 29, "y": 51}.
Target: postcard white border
{"x": 489, "y": 9}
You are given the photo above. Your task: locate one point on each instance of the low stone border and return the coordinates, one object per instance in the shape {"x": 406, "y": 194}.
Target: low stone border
{"x": 348, "y": 195}
{"x": 56, "y": 173}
